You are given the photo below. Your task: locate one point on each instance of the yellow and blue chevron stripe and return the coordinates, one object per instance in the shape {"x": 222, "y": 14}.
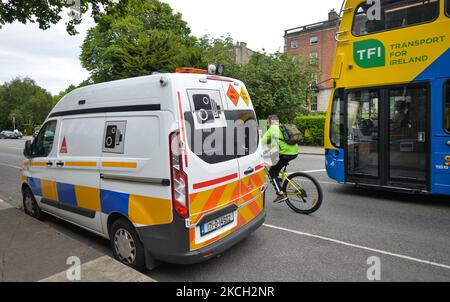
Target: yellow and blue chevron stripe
{"x": 141, "y": 210}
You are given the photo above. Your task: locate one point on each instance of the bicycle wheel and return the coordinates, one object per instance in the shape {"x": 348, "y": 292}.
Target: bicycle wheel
{"x": 304, "y": 193}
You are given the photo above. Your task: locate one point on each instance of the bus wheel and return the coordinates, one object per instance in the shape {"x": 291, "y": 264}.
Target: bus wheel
{"x": 126, "y": 245}
{"x": 30, "y": 205}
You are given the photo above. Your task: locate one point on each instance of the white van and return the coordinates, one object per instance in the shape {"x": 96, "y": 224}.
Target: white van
{"x": 146, "y": 163}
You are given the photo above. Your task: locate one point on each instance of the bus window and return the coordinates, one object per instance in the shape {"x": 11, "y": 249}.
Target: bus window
{"x": 363, "y": 132}
{"x": 447, "y": 106}
{"x": 336, "y": 122}
{"x": 447, "y": 7}
{"x": 395, "y": 14}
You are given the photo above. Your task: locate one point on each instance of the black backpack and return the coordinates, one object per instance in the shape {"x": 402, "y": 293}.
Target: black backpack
{"x": 291, "y": 134}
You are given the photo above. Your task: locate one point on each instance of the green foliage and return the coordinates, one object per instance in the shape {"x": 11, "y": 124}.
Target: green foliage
{"x": 24, "y": 100}
{"x": 278, "y": 84}
{"x": 148, "y": 38}
{"x": 48, "y": 13}
{"x": 219, "y": 51}
{"x": 312, "y": 127}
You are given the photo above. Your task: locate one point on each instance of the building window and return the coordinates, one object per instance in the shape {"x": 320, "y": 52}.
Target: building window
{"x": 313, "y": 106}
{"x": 447, "y": 107}
{"x": 313, "y": 40}
{"x": 395, "y": 14}
{"x": 294, "y": 44}
{"x": 314, "y": 58}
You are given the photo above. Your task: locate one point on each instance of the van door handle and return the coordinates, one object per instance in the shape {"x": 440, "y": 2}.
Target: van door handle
{"x": 49, "y": 164}
{"x": 249, "y": 171}
{"x": 60, "y": 164}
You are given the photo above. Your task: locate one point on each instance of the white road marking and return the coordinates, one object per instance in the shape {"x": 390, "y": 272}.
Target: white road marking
{"x": 314, "y": 171}
{"x": 359, "y": 247}
{"x": 16, "y": 148}
{"x": 11, "y": 166}
{"x": 4, "y": 205}
{"x": 329, "y": 183}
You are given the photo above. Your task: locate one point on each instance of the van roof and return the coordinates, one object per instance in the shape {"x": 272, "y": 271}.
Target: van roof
{"x": 119, "y": 93}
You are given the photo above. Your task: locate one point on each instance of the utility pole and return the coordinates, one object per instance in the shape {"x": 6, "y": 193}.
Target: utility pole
{"x": 14, "y": 123}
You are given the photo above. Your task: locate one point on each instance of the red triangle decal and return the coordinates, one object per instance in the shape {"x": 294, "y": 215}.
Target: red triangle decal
{"x": 63, "y": 148}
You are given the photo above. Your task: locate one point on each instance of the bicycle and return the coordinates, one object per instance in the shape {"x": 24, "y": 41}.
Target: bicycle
{"x": 304, "y": 193}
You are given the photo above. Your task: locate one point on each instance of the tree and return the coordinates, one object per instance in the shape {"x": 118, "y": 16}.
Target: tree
{"x": 24, "y": 100}
{"x": 48, "y": 13}
{"x": 219, "y": 51}
{"x": 148, "y": 38}
{"x": 278, "y": 84}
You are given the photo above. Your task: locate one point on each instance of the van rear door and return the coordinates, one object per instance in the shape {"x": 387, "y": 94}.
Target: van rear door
{"x": 249, "y": 152}
{"x": 210, "y": 161}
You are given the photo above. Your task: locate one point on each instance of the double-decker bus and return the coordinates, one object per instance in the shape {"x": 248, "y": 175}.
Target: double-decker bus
{"x": 388, "y": 123}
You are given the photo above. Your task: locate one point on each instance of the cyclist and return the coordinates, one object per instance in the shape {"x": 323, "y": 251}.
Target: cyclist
{"x": 286, "y": 153}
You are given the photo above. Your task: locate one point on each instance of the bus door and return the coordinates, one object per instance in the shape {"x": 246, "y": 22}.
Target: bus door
{"x": 387, "y": 136}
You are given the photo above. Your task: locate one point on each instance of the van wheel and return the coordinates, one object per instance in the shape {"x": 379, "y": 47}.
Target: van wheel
{"x": 126, "y": 245}
{"x": 30, "y": 205}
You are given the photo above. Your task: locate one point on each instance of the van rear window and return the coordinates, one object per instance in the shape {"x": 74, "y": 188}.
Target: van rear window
{"x": 238, "y": 137}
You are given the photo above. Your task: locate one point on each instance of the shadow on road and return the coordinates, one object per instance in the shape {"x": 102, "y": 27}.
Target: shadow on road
{"x": 391, "y": 196}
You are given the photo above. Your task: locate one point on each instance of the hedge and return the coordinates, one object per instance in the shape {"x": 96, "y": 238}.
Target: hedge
{"x": 312, "y": 127}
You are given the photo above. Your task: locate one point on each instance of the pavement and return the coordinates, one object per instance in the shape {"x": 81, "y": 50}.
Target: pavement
{"x": 312, "y": 150}
{"x": 34, "y": 251}
{"x": 408, "y": 235}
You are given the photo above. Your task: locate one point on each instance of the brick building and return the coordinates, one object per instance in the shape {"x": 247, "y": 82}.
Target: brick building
{"x": 316, "y": 41}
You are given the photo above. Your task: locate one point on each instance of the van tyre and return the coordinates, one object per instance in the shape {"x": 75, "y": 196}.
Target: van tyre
{"x": 126, "y": 245}
{"x": 30, "y": 205}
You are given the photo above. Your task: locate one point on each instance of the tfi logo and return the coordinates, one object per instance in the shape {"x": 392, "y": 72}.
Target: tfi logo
{"x": 369, "y": 53}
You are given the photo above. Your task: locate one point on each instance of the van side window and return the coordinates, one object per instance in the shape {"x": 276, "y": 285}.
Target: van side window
{"x": 447, "y": 107}
{"x": 43, "y": 144}
{"x": 393, "y": 15}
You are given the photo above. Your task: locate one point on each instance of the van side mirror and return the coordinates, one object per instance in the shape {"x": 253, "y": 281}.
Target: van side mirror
{"x": 27, "y": 149}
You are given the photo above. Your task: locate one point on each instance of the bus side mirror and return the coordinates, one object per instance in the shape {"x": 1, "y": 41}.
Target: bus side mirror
{"x": 27, "y": 149}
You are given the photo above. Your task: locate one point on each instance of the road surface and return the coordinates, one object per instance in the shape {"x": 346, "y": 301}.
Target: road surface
{"x": 409, "y": 234}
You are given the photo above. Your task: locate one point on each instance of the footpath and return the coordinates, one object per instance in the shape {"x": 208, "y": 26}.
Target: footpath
{"x": 312, "y": 150}
{"x": 30, "y": 250}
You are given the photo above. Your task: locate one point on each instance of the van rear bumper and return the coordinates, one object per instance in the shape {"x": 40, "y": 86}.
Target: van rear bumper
{"x": 208, "y": 252}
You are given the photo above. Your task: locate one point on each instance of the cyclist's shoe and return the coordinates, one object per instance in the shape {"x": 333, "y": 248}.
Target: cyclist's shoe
{"x": 280, "y": 198}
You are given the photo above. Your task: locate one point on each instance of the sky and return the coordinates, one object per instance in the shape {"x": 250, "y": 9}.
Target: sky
{"x": 51, "y": 57}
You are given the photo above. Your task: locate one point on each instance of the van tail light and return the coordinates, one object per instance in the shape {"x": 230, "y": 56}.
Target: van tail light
{"x": 179, "y": 179}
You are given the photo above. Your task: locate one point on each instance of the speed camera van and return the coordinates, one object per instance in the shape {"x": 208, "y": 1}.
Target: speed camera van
{"x": 168, "y": 167}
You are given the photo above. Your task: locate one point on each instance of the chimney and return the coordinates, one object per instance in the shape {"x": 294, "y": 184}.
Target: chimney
{"x": 332, "y": 15}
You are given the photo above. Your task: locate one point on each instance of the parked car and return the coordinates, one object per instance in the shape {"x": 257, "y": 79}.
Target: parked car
{"x": 8, "y": 135}
{"x": 18, "y": 133}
